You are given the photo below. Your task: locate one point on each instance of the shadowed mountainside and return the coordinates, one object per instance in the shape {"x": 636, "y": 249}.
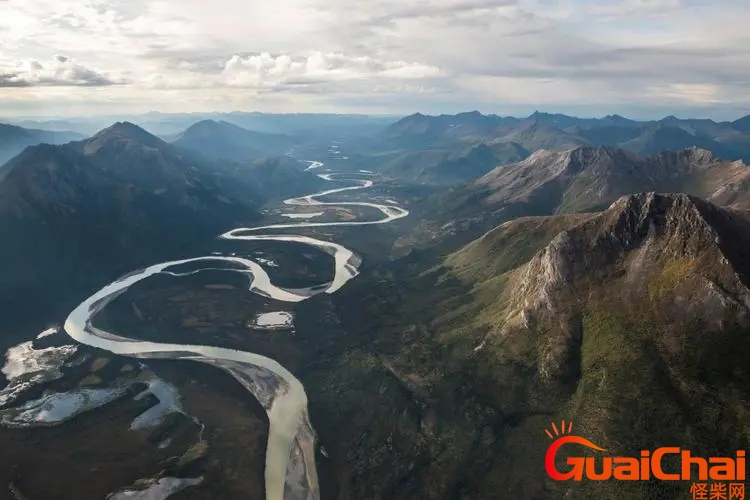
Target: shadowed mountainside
{"x": 80, "y": 214}
{"x": 221, "y": 139}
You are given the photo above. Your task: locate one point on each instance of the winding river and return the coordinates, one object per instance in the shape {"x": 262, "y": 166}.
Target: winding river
{"x": 290, "y": 472}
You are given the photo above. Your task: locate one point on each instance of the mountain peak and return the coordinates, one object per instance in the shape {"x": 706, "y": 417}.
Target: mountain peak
{"x": 671, "y": 226}
{"x": 122, "y": 135}
{"x": 212, "y": 126}
{"x": 693, "y": 155}
{"x": 124, "y": 127}
{"x": 742, "y": 124}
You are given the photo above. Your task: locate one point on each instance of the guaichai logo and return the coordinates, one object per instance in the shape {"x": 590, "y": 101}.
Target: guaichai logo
{"x": 637, "y": 469}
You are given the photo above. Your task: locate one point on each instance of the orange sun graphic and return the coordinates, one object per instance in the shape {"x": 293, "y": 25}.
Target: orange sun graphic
{"x": 562, "y": 429}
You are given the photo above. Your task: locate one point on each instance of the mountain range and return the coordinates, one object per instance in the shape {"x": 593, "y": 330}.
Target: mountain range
{"x": 317, "y": 126}
{"x": 78, "y": 214}
{"x": 417, "y": 138}
{"x": 576, "y": 180}
{"x": 612, "y": 130}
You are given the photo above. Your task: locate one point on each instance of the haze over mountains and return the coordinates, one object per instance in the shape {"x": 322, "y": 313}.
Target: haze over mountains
{"x": 451, "y": 149}
{"x": 555, "y": 131}
{"x": 14, "y": 139}
{"x": 167, "y": 125}
{"x": 228, "y": 141}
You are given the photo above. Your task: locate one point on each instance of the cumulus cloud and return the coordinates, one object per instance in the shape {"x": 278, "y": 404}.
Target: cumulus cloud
{"x": 265, "y": 69}
{"x": 495, "y": 55}
{"x": 59, "y": 71}
{"x": 315, "y": 72}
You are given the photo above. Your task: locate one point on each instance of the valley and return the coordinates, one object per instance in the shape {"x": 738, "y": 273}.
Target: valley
{"x": 277, "y": 390}
{"x": 360, "y": 326}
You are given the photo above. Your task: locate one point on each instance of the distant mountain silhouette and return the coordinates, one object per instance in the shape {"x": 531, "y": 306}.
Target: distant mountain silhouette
{"x": 222, "y": 139}
{"x": 14, "y": 139}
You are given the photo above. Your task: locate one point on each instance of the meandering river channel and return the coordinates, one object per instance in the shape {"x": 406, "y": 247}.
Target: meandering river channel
{"x": 290, "y": 472}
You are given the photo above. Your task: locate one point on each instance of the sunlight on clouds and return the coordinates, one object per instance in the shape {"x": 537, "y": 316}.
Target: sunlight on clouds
{"x": 59, "y": 71}
{"x": 561, "y": 91}
{"x": 691, "y": 93}
{"x": 498, "y": 53}
{"x": 264, "y": 69}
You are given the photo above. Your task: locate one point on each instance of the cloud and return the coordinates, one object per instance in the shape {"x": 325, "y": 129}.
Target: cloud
{"x": 261, "y": 69}
{"x": 395, "y": 55}
{"x": 314, "y": 72}
{"x": 636, "y": 8}
{"x": 60, "y": 71}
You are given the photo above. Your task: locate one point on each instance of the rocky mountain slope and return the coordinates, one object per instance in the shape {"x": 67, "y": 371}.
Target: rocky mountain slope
{"x": 631, "y": 323}
{"x": 533, "y": 134}
{"x": 578, "y": 180}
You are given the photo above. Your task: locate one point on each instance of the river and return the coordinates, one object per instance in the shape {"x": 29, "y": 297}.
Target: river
{"x": 290, "y": 472}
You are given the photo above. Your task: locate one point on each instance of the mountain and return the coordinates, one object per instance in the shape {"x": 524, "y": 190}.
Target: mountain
{"x": 607, "y": 135}
{"x": 631, "y": 323}
{"x": 742, "y": 124}
{"x": 559, "y": 120}
{"x": 14, "y": 139}
{"x": 533, "y": 134}
{"x": 225, "y": 140}
{"x": 318, "y": 127}
{"x": 79, "y": 214}
{"x": 577, "y": 180}
{"x": 655, "y": 139}
{"x": 272, "y": 178}
{"x": 446, "y": 166}
{"x": 419, "y": 128}
{"x": 559, "y": 132}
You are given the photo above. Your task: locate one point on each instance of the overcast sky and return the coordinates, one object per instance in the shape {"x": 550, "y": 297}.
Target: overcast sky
{"x": 639, "y": 58}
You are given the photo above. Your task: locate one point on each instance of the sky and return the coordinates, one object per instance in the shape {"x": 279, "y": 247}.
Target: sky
{"x": 638, "y": 58}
